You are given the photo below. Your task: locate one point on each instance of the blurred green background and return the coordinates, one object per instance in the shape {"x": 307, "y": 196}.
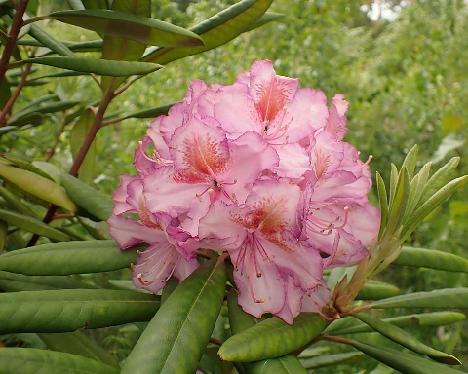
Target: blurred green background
{"x": 402, "y": 65}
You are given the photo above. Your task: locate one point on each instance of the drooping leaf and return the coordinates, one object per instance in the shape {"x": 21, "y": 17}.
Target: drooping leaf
{"x": 402, "y": 361}
{"x": 266, "y": 18}
{"x": 3, "y": 234}
{"x": 33, "y": 225}
{"x": 375, "y": 290}
{"x": 87, "y": 197}
{"x": 37, "y": 186}
{"x": 49, "y": 41}
{"x": 352, "y": 326}
{"x": 215, "y": 31}
{"x": 148, "y": 31}
{"x": 40, "y": 361}
{"x": 67, "y": 258}
{"x": 280, "y": 365}
{"x": 77, "y": 135}
{"x": 12, "y": 282}
{"x": 442, "y": 298}
{"x": 271, "y": 338}
{"x": 175, "y": 339}
{"x": 150, "y": 113}
{"x": 331, "y": 360}
{"x": 78, "y": 343}
{"x": 71, "y": 309}
{"x": 432, "y": 259}
{"x": 96, "y": 65}
{"x": 32, "y": 119}
{"x": 405, "y": 339}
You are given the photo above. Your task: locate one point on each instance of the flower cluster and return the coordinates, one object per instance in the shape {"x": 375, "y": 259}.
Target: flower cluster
{"x": 259, "y": 170}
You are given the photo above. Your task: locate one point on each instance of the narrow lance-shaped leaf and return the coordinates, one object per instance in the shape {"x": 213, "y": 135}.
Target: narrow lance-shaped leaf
{"x": 272, "y": 337}
{"x": 68, "y": 310}
{"x": 279, "y": 365}
{"x": 439, "y": 178}
{"x": 332, "y": 360}
{"x": 96, "y": 65}
{"x": 266, "y": 18}
{"x": 416, "y": 189}
{"x": 432, "y": 259}
{"x": 215, "y": 31}
{"x": 398, "y": 203}
{"x": 375, "y": 290}
{"x": 67, "y": 258}
{"x": 410, "y": 160}
{"x": 352, "y": 326}
{"x": 141, "y": 29}
{"x": 41, "y": 361}
{"x": 402, "y": 361}
{"x": 14, "y": 202}
{"x": 37, "y": 186}
{"x": 3, "y": 234}
{"x": 175, "y": 339}
{"x": 442, "y": 298}
{"x": 90, "y": 199}
{"x": 383, "y": 202}
{"x": 49, "y": 41}
{"x": 405, "y": 339}
{"x": 33, "y": 225}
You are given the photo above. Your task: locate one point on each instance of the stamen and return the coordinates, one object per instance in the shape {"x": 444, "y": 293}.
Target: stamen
{"x": 368, "y": 160}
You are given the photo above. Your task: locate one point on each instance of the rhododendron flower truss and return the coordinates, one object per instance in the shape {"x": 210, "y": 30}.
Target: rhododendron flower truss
{"x": 257, "y": 169}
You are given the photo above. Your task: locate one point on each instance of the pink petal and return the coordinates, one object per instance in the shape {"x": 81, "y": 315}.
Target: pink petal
{"x": 127, "y": 232}
{"x": 294, "y": 160}
{"x": 336, "y": 124}
{"x": 316, "y": 299}
{"x": 326, "y": 155}
{"x": 292, "y": 305}
{"x": 184, "y": 267}
{"x": 120, "y": 195}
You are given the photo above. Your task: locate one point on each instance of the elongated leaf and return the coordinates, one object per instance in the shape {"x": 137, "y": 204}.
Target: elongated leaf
{"x": 77, "y": 135}
{"x": 37, "y": 186}
{"x": 144, "y": 30}
{"x": 352, "y": 326}
{"x": 3, "y": 234}
{"x": 416, "y": 189}
{"x": 279, "y": 365}
{"x": 331, "y": 360}
{"x": 405, "y": 339}
{"x": 398, "y": 204}
{"x": 11, "y": 282}
{"x": 272, "y": 337}
{"x": 49, "y": 41}
{"x": 96, "y": 65}
{"x": 14, "y": 202}
{"x": 439, "y": 178}
{"x": 78, "y": 343}
{"x": 374, "y": 290}
{"x": 33, "y": 119}
{"x": 87, "y": 197}
{"x": 174, "y": 340}
{"x": 67, "y": 258}
{"x": 68, "y": 310}
{"x": 432, "y": 259}
{"x": 40, "y": 361}
{"x": 383, "y": 202}
{"x": 215, "y": 31}
{"x": 404, "y": 362}
{"x": 410, "y": 160}
{"x": 32, "y": 225}
{"x": 150, "y": 113}
{"x": 442, "y": 298}
{"x": 60, "y": 74}
{"x": 266, "y": 18}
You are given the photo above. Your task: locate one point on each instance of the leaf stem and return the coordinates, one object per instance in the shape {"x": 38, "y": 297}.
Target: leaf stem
{"x": 11, "y": 101}
{"x": 12, "y": 37}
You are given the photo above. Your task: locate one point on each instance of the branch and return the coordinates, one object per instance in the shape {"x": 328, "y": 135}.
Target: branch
{"x": 12, "y": 37}
{"x": 11, "y": 101}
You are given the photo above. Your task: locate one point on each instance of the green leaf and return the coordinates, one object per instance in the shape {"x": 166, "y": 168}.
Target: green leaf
{"x": 410, "y": 160}
{"x": 87, "y": 197}
{"x": 168, "y": 289}
{"x": 272, "y": 337}
{"x": 332, "y": 360}
{"x": 40, "y": 361}
{"x": 352, "y": 326}
{"x": 68, "y": 310}
{"x": 77, "y": 135}
{"x": 5, "y": 92}
{"x": 442, "y": 298}
{"x": 439, "y": 178}
{"x": 49, "y": 41}
{"x": 175, "y": 339}
{"x": 33, "y": 119}
{"x": 96, "y": 65}
{"x": 78, "y": 343}
{"x": 266, "y": 18}
{"x": 405, "y": 339}
{"x": 150, "y": 113}
{"x": 68, "y": 258}
{"x": 393, "y": 181}
{"x": 375, "y": 290}
{"x": 279, "y": 365}
{"x": 37, "y": 186}
{"x": 3, "y": 234}
{"x": 404, "y": 362}
{"x": 238, "y": 319}
{"x": 215, "y": 31}
{"x": 432, "y": 259}
{"x": 11, "y": 282}
{"x": 148, "y": 31}
{"x": 398, "y": 203}
{"x": 33, "y": 225}
{"x": 383, "y": 202}
{"x": 416, "y": 189}
{"x": 210, "y": 363}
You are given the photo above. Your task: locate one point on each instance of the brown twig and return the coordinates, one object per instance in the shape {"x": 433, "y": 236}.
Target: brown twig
{"x": 216, "y": 341}
{"x": 11, "y": 101}
{"x": 12, "y": 37}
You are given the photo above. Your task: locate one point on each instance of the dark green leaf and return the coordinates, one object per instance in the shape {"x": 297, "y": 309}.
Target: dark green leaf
{"x": 96, "y": 65}
{"x": 68, "y": 310}
{"x": 443, "y": 298}
{"x": 67, "y": 258}
{"x": 11, "y": 282}
{"x": 148, "y": 31}
{"x": 49, "y": 41}
{"x": 175, "y": 339}
{"x": 266, "y": 18}
{"x": 33, "y": 225}
{"x": 279, "y": 365}
{"x": 40, "y": 361}
{"x": 375, "y": 290}
{"x": 433, "y": 259}
{"x": 216, "y": 31}
{"x": 331, "y": 360}
{"x": 439, "y": 178}
{"x": 398, "y": 203}
{"x": 272, "y": 337}
{"x": 3, "y": 234}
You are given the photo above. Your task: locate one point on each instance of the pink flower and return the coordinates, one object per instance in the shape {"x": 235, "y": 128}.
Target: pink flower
{"x": 164, "y": 256}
